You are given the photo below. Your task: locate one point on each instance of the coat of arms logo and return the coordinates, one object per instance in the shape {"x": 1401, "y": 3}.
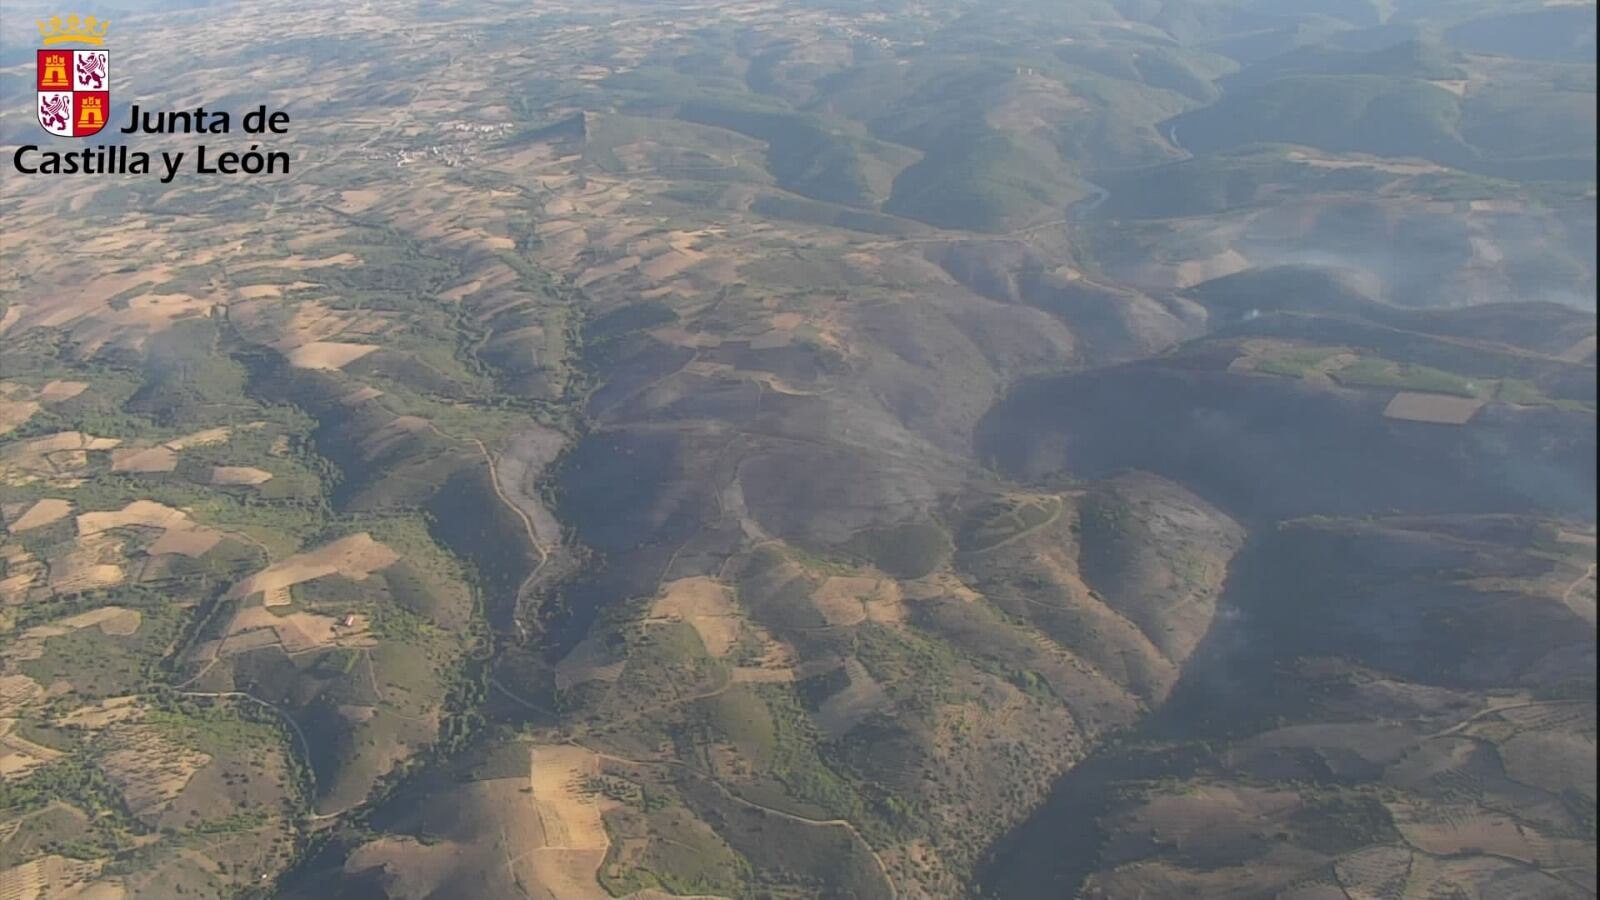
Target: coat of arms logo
{"x": 74, "y": 86}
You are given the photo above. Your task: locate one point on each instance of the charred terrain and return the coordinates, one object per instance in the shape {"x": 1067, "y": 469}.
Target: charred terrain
{"x": 815, "y": 449}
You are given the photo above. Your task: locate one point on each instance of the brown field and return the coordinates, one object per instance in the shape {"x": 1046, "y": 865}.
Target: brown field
{"x": 605, "y": 271}
{"x": 778, "y": 385}
{"x": 180, "y": 534}
{"x": 111, "y": 620}
{"x": 1194, "y": 271}
{"x": 96, "y": 716}
{"x": 255, "y": 626}
{"x": 13, "y": 413}
{"x": 18, "y": 755}
{"x": 144, "y": 315}
{"x": 708, "y": 369}
{"x": 157, "y": 311}
{"x": 397, "y": 430}
{"x": 18, "y": 691}
{"x": 1450, "y": 831}
{"x": 150, "y": 459}
{"x": 840, "y": 599}
{"x": 575, "y": 839}
{"x": 1447, "y": 878}
{"x": 1212, "y": 815}
{"x": 51, "y": 877}
{"x": 940, "y": 584}
{"x": 358, "y": 200}
{"x": 313, "y": 321}
{"x": 241, "y": 643}
{"x": 207, "y": 437}
{"x": 79, "y": 306}
{"x": 360, "y": 396}
{"x": 144, "y": 513}
{"x": 706, "y": 605}
{"x": 302, "y": 262}
{"x": 44, "y": 512}
{"x": 52, "y": 458}
{"x": 1448, "y": 761}
{"x": 570, "y": 815}
{"x": 94, "y": 561}
{"x": 1551, "y": 760}
{"x": 57, "y": 391}
{"x": 777, "y": 661}
{"x": 355, "y": 556}
{"x": 149, "y": 769}
{"x": 543, "y": 834}
{"x": 327, "y": 355}
{"x": 851, "y": 600}
{"x": 493, "y": 275}
{"x": 22, "y": 572}
{"x": 680, "y": 337}
{"x": 245, "y": 475}
{"x": 462, "y": 291}
{"x": 1437, "y": 408}
{"x": 670, "y": 263}
{"x": 1374, "y": 873}
{"x": 191, "y": 542}
{"x": 14, "y": 587}
{"x": 1546, "y": 716}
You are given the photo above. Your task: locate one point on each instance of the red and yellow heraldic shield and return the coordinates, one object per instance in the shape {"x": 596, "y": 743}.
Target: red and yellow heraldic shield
{"x": 74, "y": 91}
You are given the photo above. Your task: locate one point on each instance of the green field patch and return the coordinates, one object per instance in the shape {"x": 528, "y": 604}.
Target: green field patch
{"x": 56, "y": 827}
{"x": 216, "y": 729}
{"x": 740, "y": 716}
{"x": 793, "y": 858}
{"x": 1296, "y": 363}
{"x": 909, "y": 550}
{"x": 1381, "y": 373}
{"x": 669, "y": 849}
{"x": 914, "y": 669}
{"x": 1335, "y": 822}
{"x": 97, "y": 664}
{"x": 799, "y": 779}
{"x": 79, "y": 810}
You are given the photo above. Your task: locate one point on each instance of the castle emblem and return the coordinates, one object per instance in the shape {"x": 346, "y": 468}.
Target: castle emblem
{"x": 73, "y": 85}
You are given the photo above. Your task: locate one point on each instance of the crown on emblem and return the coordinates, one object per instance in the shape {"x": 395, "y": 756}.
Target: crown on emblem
{"x": 88, "y": 30}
